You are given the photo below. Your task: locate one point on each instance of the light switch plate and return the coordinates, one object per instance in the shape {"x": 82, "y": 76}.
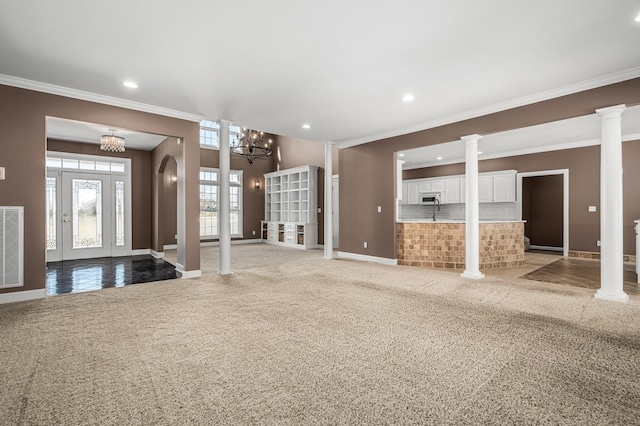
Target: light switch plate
{"x": 1, "y": 173}
{"x": 319, "y": 210}
{"x": 379, "y": 209}
{"x": 592, "y": 209}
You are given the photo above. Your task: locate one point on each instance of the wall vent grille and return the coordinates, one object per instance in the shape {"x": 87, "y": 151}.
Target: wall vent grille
{"x": 11, "y": 246}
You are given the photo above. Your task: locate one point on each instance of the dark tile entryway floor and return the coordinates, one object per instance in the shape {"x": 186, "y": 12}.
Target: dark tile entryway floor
{"x": 74, "y": 276}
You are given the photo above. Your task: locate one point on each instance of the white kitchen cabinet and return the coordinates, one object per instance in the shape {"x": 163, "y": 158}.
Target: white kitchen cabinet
{"x": 485, "y": 188}
{"x": 452, "y": 190}
{"x": 438, "y": 185}
{"x": 493, "y": 187}
{"x": 413, "y": 192}
{"x": 404, "y": 195}
{"x": 504, "y": 186}
{"x": 425, "y": 186}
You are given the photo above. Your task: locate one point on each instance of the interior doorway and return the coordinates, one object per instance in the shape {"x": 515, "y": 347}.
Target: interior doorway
{"x": 543, "y": 203}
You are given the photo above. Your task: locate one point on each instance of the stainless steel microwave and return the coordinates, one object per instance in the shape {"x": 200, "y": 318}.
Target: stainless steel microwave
{"x": 430, "y": 198}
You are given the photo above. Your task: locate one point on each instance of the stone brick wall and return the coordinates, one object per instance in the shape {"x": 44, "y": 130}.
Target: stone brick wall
{"x": 442, "y": 245}
{"x": 501, "y": 245}
{"x": 596, "y": 255}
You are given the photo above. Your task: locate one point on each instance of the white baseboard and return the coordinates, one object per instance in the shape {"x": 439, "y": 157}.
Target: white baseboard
{"x": 548, "y": 248}
{"x": 157, "y": 254}
{"x": 22, "y": 296}
{"x": 187, "y": 274}
{"x": 139, "y": 252}
{"x": 191, "y": 274}
{"x": 170, "y": 247}
{"x": 366, "y": 258}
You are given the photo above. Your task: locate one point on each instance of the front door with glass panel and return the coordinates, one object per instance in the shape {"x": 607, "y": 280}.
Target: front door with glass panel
{"x": 86, "y": 218}
{"x": 88, "y": 212}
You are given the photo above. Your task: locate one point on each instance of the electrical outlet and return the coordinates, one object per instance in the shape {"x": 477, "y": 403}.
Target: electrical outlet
{"x": 2, "y": 173}
{"x": 592, "y": 209}
{"x": 598, "y": 243}
{"x": 254, "y": 232}
{"x": 319, "y": 210}
{"x": 379, "y": 209}
{"x": 365, "y": 244}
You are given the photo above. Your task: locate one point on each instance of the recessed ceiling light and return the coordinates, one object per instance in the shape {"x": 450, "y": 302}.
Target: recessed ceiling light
{"x": 479, "y": 152}
{"x": 401, "y": 155}
{"x": 439, "y": 158}
{"x": 130, "y": 84}
{"x": 408, "y": 98}
{"x": 306, "y": 126}
{"x": 638, "y": 18}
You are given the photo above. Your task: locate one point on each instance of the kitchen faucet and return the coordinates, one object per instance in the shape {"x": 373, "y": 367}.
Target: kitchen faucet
{"x": 436, "y": 202}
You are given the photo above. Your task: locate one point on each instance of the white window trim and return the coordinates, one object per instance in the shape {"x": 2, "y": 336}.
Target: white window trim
{"x": 240, "y": 185}
{"x": 233, "y": 130}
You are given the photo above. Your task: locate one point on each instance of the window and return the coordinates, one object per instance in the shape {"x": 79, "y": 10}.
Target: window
{"x": 210, "y": 132}
{"x": 68, "y": 161}
{"x": 209, "y": 195}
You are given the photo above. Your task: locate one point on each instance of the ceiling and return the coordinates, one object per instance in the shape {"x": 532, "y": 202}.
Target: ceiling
{"x": 78, "y": 131}
{"x": 340, "y": 66}
{"x": 563, "y": 134}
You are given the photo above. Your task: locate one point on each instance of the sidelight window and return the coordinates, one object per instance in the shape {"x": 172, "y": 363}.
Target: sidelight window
{"x": 209, "y": 197}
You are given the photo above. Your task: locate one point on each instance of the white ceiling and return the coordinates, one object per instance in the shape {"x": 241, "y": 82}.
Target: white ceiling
{"x": 341, "y": 66}
{"x": 77, "y": 131}
{"x": 563, "y": 134}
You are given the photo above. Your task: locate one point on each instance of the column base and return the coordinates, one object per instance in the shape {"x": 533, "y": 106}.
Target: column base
{"x": 615, "y": 297}
{"x": 328, "y": 254}
{"x": 474, "y": 275}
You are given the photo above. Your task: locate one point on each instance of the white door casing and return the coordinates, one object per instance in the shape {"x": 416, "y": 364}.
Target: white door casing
{"x": 89, "y": 211}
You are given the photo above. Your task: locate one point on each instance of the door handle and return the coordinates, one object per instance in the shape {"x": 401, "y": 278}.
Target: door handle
{"x": 66, "y": 220}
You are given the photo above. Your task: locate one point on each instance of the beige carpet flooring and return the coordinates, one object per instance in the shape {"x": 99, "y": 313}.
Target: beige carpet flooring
{"x": 293, "y": 339}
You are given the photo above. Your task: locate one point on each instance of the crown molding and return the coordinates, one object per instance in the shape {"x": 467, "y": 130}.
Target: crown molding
{"x": 502, "y": 106}
{"x": 94, "y": 97}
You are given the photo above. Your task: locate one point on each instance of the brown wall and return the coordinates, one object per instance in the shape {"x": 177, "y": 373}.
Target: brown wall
{"x": 367, "y": 171}
{"x": 298, "y": 152}
{"x": 584, "y": 187}
{"x": 22, "y": 152}
{"x": 367, "y": 180}
{"x": 140, "y": 185}
{"x": 542, "y": 209}
{"x": 164, "y": 195}
{"x": 169, "y": 202}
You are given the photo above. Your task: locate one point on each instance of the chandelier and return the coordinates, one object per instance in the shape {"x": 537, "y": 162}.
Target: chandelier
{"x": 112, "y": 142}
{"x": 251, "y": 145}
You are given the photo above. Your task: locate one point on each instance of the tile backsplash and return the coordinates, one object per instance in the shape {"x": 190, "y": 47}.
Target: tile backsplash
{"x": 488, "y": 211}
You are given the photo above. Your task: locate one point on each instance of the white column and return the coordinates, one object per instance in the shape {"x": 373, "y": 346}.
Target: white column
{"x": 472, "y": 211}
{"x": 328, "y": 201}
{"x": 611, "y": 248}
{"x": 224, "y": 215}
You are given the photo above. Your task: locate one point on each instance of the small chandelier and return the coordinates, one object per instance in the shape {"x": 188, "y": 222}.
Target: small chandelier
{"x": 251, "y": 145}
{"x": 112, "y": 142}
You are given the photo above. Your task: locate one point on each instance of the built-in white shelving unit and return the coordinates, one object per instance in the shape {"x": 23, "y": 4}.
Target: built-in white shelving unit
{"x": 290, "y": 207}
